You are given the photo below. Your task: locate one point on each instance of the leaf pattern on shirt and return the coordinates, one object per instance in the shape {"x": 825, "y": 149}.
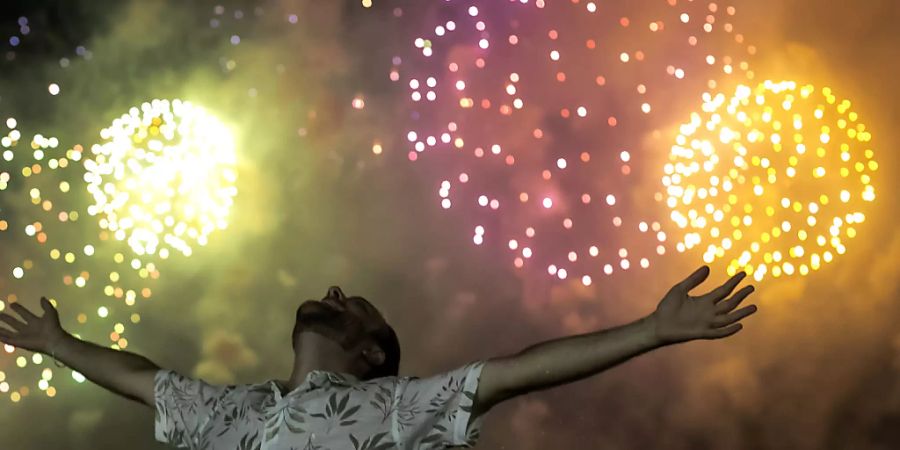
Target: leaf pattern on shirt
{"x": 174, "y": 436}
{"x": 337, "y": 410}
{"x": 382, "y": 401}
{"x": 310, "y": 445}
{"x": 372, "y": 443}
{"x": 407, "y": 411}
{"x": 449, "y": 389}
{"x": 289, "y": 416}
{"x": 435, "y": 436}
{"x": 249, "y": 442}
{"x": 191, "y": 399}
{"x": 233, "y": 414}
{"x": 328, "y": 411}
{"x": 185, "y": 398}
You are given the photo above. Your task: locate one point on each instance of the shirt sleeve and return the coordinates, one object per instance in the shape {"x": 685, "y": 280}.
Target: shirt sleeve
{"x": 434, "y": 412}
{"x": 183, "y": 407}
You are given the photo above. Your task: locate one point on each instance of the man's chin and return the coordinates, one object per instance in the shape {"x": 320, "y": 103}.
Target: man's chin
{"x": 317, "y": 318}
{"x": 318, "y": 332}
{"x": 313, "y": 311}
{"x": 311, "y": 304}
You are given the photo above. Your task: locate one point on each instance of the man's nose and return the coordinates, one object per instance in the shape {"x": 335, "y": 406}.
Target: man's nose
{"x": 335, "y": 292}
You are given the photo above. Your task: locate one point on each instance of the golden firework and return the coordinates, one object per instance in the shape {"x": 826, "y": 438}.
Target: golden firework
{"x": 774, "y": 178}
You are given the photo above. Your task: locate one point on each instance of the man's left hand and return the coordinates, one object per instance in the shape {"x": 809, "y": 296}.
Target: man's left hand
{"x": 682, "y": 317}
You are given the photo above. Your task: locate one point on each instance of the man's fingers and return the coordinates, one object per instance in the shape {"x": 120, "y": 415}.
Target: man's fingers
{"x": 14, "y": 323}
{"x": 23, "y": 312}
{"x": 47, "y": 306}
{"x": 694, "y": 279}
{"x": 7, "y": 337}
{"x": 720, "y": 333}
{"x": 722, "y": 291}
{"x": 735, "y": 300}
{"x": 728, "y": 319}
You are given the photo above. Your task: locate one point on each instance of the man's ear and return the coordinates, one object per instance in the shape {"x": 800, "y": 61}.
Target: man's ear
{"x": 374, "y": 355}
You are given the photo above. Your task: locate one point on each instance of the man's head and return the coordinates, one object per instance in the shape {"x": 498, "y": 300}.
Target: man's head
{"x": 354, "y": 324}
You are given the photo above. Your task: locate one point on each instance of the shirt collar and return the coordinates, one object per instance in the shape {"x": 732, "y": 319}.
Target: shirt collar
{"x": 345, "y": 379}
{"x": 318, "y": 378}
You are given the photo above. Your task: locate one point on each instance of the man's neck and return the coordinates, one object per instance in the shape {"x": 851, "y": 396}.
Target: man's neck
{"x": 303, "y": 367}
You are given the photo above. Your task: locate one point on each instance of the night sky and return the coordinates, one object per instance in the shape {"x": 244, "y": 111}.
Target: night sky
{"x": 327, "y": 101}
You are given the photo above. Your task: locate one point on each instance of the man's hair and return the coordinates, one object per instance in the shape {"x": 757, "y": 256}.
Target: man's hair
{"x": 386, "y": 338}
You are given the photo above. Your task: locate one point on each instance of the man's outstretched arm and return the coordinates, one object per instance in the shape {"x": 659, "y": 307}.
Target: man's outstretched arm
{"x": 679, "y": 317}
{"x": 124, "y": 373}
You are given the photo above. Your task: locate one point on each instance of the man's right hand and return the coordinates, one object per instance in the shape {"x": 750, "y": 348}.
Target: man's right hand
{"x": 37, "y": 334}
{"x": 124, "y": 373}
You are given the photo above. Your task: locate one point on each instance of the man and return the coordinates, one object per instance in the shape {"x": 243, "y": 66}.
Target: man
{"x": 344, "y": 391}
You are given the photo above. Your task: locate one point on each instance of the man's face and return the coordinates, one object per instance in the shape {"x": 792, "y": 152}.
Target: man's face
{"x": 348, "y": 321}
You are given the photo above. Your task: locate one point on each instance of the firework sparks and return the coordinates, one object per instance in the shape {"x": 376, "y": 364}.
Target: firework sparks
{"x": 536, "y": 117}
{"x": 774, "y": 179}
{"x": 164, "y": 178}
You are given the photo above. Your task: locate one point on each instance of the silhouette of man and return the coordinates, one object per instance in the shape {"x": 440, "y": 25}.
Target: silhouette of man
{"x": 344, "y": 391}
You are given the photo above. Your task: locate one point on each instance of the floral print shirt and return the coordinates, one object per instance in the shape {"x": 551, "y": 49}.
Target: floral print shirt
{"x": 328, "y": 411}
